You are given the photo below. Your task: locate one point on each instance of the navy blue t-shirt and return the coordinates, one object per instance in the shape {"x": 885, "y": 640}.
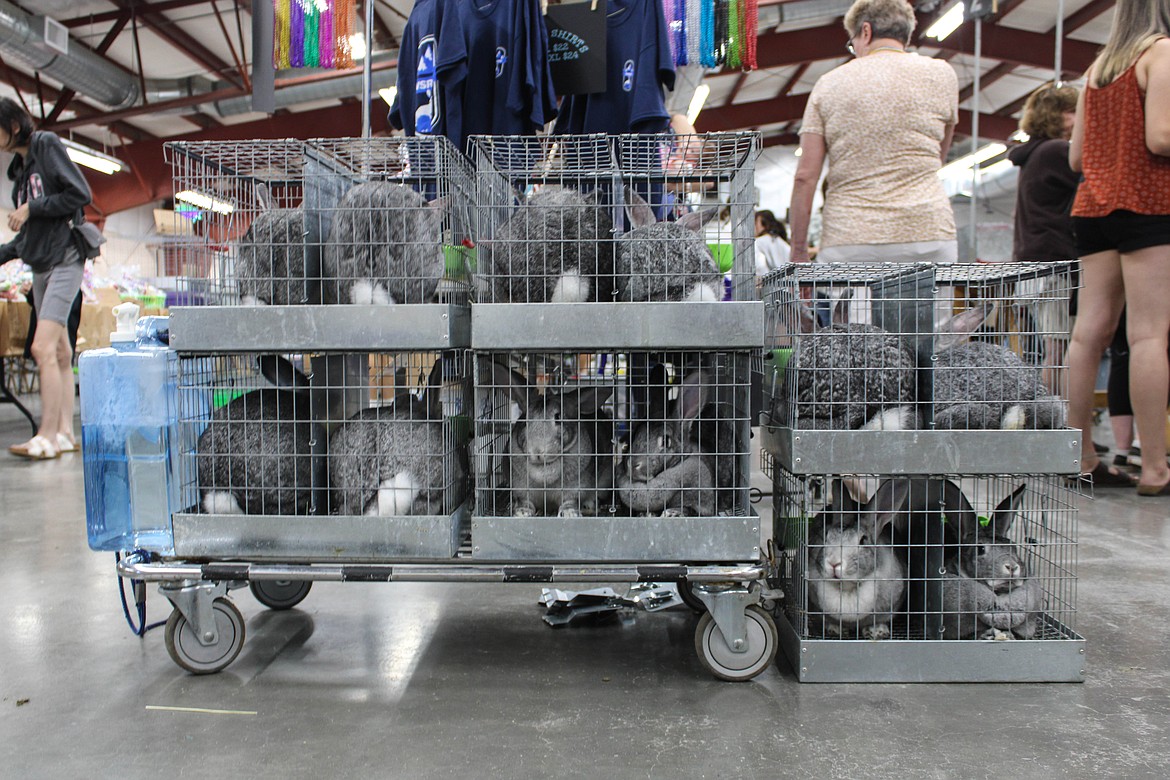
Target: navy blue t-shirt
{"x": 494, "y": 74}
{"x": 638, "y": 65}
{"x": 419, "y": 107}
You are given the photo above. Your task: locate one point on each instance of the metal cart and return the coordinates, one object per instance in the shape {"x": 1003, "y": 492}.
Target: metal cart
{"x": 359, "y": 355}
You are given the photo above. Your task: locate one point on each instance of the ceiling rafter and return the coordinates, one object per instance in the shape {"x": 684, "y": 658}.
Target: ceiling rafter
{"x": 185, "y": 42}
{"x": 110, "y": 16}
{"x": 67, "y": 95}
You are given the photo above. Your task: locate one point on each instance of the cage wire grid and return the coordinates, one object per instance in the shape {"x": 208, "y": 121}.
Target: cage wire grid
{"x": 965, "y": 558}
{"x": 579, "y": 219}
{"x": 382, "y": 434}
{"x": 364, "y": 221}
{"x": 617, "y": 434}
{"x": 914, "y": 346}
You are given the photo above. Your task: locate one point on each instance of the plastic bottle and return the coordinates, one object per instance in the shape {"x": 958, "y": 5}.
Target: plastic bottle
{"x": 129, "y": 424}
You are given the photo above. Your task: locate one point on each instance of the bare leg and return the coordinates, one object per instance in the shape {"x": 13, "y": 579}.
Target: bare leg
{"x": 1101, "y": 299}
{"x": 1147, "y": 276}
{"x": 50, "y": 344}
{"x": 1122, "y": 427}
{"x": 68, "y": 392}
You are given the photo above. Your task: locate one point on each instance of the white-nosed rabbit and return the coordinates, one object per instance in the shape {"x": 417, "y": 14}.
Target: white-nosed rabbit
{"x": 555, "y": 248}
{"x": 560, "y": 458}
{"x": 978, "y": 385}
{"x": 856, "y": 580}
{"x": 392, "y": 460}
{"x": 666, "y": 261}
{"x": 385, "y": 246}
{"x": 665, "y": 472}
{"x": 847, "y": 374}
{"x": 255, "y": 456}
{"x": 988, "y": 592}
{"x": 270, "y": 268}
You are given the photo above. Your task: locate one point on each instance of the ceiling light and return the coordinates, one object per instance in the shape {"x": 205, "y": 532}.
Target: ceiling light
{"x": 357, "y": 46}
{"x": 92, "y": 158}
{"x": 969, "y": 161}
{"x": 199, "y": 200}
{"x": 697, "y": 101}
{"x": 388, "y": 94}
{"x": 947, "y": 23}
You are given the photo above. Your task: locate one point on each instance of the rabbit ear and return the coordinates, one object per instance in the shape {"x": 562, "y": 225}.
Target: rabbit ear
{"x": 692, "y": 397}
{"x": 638, "y": 210}
{"x": 264, "y": 198}
{"x": 843, "y": 500}
{"x": 517, "y": 386}
{"x": 281, "y": 373}
{"x": 432, "y": 396}
{"x": 841, "y": 308}
{"x": 886, "y": 505}
{"x": 658, "y": 392}
{"x": 587, "y": 400}
{"x": 697, "y": 219}
{"x": 1006, "y": 511}
{"x": 959, "y": 328}
{"x": 959, "y": 513}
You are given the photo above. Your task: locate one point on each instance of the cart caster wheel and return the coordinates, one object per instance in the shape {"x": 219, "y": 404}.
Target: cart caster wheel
{"x": 280, "y": 594}
{"x": 762, "y": 641}
{"x": 196, "y": 658}
{"x": 686, "y": 591}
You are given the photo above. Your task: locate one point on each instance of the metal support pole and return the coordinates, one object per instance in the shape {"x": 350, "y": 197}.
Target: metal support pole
{"x": 367, "y": 69}
{"x": 975, "y": 140}
{"x": 1058, "y": 58}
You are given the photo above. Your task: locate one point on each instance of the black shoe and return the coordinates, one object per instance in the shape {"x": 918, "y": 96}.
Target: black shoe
{"x": 1101, "y": 448}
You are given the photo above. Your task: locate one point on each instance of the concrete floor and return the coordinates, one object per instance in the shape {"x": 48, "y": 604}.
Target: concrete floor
{"x": 447, "y": 680}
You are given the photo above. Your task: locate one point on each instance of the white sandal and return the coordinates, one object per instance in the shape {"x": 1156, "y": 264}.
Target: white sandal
{"x": 36, "y": 448}
{"x": 66, "y": 444}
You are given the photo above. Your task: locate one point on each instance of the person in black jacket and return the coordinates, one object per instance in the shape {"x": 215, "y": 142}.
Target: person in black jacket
{"x": 48, "y": 191}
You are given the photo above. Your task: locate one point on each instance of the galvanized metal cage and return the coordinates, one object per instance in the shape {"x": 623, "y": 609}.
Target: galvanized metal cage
{"x": 362, "y": 454}
{"x": 583, "y": 219}
{"x": 878, "y": 572}
{"x": 949, "y": 352}
{"x": 356, "y": 221}
{"x": 629, "y": 455}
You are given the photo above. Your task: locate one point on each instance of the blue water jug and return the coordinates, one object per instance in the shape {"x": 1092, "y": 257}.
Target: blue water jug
{"x": 129, "y": 437}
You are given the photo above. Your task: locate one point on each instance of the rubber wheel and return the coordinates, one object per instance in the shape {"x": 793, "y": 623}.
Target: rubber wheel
{"x": 717, "y": 656}
{"x": 686, "y": 591}
{"x": 280, "y": 594}
{"x": 196, "y": 658}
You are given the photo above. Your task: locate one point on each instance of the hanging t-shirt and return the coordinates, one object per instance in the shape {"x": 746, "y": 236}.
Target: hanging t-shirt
{"x": 418, "y": 107}
{"x": 638, "y": 67}
{"x": 494, "y": 74}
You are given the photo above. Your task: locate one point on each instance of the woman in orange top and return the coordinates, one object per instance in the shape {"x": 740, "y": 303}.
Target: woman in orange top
{"x": 1121, "y": 142}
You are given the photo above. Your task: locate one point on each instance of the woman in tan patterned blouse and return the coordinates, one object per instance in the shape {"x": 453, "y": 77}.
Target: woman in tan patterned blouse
{"x": 884, "y": 122}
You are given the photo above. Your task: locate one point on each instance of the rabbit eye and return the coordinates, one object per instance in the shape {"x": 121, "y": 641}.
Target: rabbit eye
{"x": 983, "y": 549}
{"x": 570, "y": 435}
{"x": 864, "y": 540}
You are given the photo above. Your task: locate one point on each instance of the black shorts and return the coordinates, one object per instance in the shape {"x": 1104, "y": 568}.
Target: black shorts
{"x": 1123, "y": 231}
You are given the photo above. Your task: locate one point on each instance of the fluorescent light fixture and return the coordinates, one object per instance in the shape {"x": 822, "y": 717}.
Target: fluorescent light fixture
{"x": 357, "y": 46}
{"x": 697, "y": 102}
{"x": 92, "y": 158}
{"x": 199, "y": 200}
{"x": 947, "y": 23}
{"x": 388, "y": 94}
{"x": 969, "y": 161}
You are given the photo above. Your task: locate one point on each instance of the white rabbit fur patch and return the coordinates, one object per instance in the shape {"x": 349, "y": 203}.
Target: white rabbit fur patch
{"x": 395, "y": 496}
{"x": 365, "y": 292}
{"x": 221, "y": 502}
{"x": 571, "y": 288}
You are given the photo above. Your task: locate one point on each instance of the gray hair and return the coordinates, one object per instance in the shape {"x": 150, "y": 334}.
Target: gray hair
{"x": 887, "y": 18}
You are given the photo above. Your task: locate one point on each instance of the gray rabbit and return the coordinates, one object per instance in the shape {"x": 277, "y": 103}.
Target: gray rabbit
{"x": 978, "y": 385}
{"x": 666, "y": 261}
{"x": 560, "y": 451}
{"x": 846, "y": 375}
{"x": 385, "y": 246}
{"x": 988, "y": 592}
{"x": 395, "y": 460}
{"x": 856, "y": 580}
{"x": 665, "y": 472}
{"x": 255, "y": 456}
{"x": 555, "y": 248}
{"x": 270, "y": 266}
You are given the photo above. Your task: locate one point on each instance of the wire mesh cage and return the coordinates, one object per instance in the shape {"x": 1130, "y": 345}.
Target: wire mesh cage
{"x": 379, "y": 435}
{"x": 652, "y": 218}
{"x": 567, "y": 438}
{"x": 885, "y": 346}
{"x": 945, "y": 557}
{"x": 366, "y": 221}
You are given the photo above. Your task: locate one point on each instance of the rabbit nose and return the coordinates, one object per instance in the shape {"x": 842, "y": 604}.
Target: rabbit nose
{"x": 836, "y": 570}
{"x": 1012, "y": 568}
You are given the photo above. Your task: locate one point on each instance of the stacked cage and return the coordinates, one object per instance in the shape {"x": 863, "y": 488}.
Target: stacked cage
{"x": 916, "y": 437}
{"x": 613, "y": 350}
{"x": 323, "y": 378}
